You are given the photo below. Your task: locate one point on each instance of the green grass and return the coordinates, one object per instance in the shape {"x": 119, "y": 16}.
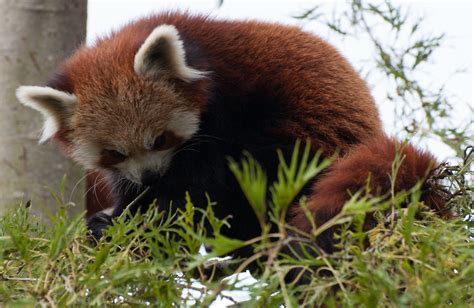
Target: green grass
{"x": 411, "y": 258}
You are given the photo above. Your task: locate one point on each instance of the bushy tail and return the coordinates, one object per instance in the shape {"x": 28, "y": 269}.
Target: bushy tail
{"x": 369, "y": 165}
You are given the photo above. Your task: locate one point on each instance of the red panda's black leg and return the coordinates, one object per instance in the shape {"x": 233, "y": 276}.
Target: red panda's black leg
{"x": 97, "y": 223}
{"x": 101, "y": 220}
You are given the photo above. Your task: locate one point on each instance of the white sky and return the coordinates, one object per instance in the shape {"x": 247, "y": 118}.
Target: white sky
{"x": 452, "y": 17}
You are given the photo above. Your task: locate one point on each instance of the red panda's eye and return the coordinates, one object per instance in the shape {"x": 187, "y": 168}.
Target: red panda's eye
{"x": 159, "y": 143}
{"x": 116, "y": 154}
{"x": 112, "y": 157}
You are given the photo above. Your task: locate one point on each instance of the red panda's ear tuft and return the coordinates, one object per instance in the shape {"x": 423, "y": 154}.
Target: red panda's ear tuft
{"x": 162, "y": 53}
{"x": 56, "y": 107}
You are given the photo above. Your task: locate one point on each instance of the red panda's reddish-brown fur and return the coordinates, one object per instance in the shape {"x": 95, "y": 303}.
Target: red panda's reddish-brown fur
{"x": 98, "y": 194}
{"x": 272, "y": 50}
{"x": 331, "y": 105}
{"x": 313, "y": 92}
{"x": 368, "y": 166}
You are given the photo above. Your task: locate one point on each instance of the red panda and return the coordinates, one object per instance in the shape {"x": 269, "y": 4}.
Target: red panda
{"x": 163, "y": 102}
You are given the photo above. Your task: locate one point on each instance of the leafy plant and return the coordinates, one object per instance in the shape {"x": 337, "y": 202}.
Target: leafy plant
{"x": 154, "y": 258}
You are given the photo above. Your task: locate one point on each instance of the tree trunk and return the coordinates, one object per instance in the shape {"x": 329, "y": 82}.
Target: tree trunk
{"x": 36, "y": 35}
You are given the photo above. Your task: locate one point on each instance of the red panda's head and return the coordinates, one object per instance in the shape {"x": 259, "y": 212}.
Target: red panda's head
{"x": 125, "y": 104}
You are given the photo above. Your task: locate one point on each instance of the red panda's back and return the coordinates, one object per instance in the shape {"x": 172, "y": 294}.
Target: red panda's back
{"x": 319, "y": 94}
{"x": 322, "y": 97}
{"x": 315, "y": 92}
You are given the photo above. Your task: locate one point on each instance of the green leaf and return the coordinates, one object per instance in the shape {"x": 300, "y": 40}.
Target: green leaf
{"x": 253, "y": 182}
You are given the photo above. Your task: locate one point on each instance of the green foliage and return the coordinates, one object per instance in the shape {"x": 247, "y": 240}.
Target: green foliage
{"x": 290, "y": 181}
{"x": 410, "y": 258}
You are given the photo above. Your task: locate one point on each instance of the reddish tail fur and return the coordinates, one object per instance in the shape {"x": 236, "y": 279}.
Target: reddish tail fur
{"x": 369, "y": 165}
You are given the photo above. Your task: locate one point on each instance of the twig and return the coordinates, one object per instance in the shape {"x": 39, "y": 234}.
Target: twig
{"x": 9, "y": 278}
{"x": 135, "y": 201}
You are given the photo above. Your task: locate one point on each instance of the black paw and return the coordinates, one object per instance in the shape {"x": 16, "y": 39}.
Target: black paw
{"x": 97, "y": 224}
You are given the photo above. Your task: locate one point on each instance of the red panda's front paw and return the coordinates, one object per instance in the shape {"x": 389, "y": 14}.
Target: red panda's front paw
{"x": 97, "y": 224}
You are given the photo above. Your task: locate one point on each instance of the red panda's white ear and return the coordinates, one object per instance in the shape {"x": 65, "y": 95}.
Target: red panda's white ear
{"x": 56, "y": 107}
{"x": 163, "y": 53}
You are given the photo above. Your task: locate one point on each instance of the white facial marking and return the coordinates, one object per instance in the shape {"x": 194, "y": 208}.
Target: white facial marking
{"x": 54, "y": 105}
{"x": 133, "y": 167}
{"x": 184, "y": 123}
{"x": 108, "y": 211}
{"x": 86, "y": 154}
{"x": 166, "y": 38}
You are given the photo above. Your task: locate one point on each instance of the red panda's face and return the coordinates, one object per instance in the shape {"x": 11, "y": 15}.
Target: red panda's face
{"x": 132, "y": 133}
{"x": 128, "y": 118}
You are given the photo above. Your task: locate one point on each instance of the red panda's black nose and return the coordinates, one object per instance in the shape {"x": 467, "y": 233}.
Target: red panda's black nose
{"x": 149, "y": 178}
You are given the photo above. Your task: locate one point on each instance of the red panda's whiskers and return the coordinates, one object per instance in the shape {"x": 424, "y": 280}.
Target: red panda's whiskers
{"x": 97, "y": 183}
{"x": 128, "y": 186}
{"x": 204, "y": 136}
{"x": 76, "y": 186}
{"x": 117, "y": 183}
{"x": 188, "y": 147}
{"x": 93, "y": 188}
